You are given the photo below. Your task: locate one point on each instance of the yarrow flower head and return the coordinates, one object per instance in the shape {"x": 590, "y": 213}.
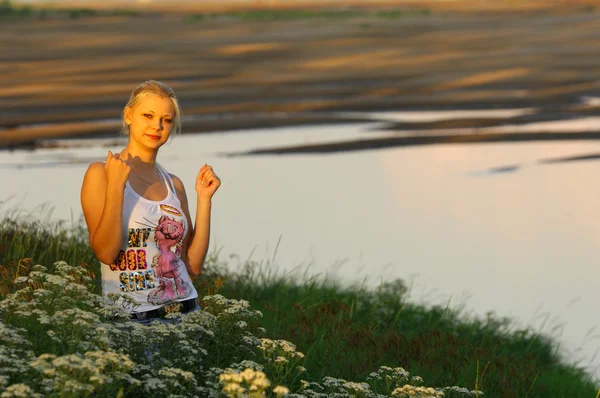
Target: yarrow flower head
{"x": 20, "y": 390}
{"x": 409, "y": 391}
{"x": 281, "y": 390}
{"x": 236, "y": 382}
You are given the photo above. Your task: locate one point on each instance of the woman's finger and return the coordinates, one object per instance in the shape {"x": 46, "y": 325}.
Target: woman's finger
{"x": 210, "y": 175}
{"x": 216, "y": 181}
{"x": 201, "y": 176}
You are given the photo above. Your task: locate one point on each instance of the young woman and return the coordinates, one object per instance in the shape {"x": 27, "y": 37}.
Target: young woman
{"x": 137, "y": 214}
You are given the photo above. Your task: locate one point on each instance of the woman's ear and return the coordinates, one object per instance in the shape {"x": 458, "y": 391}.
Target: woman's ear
{"x": 127, "y": 115}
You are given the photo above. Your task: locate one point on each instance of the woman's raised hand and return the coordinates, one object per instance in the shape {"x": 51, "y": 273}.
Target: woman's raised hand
{"x": 117, "y": 170}
{"x": 207, "y": 182}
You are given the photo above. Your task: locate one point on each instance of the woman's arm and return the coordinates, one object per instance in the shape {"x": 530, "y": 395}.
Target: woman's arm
{"x": 102, "y": 204}
{"x": 195, "y": 245}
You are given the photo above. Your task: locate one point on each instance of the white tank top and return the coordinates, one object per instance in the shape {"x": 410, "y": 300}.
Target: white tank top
{"x": 149, "y": 268}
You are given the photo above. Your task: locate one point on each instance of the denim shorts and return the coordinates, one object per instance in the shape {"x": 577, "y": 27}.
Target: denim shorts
{"x": 173, "y": 321}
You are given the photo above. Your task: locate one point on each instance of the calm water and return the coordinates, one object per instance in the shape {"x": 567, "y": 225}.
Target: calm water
{"x": 521, "y": 241}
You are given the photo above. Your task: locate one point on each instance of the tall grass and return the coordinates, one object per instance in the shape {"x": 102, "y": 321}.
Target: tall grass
{"x": 345, "y": 332}
{"x": 26, "y": 240}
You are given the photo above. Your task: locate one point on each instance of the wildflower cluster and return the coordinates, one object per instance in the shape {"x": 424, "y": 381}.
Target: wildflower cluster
{"x": 412, "y": 391}
{"x": 95, "y": 372}
{"x": 20, "y": 391}
{"x": 462, "y": 391}
{"x": 385, "y": 382}
{"x": 59, "y": 312}
{"x": 172, "y": 382}
{"x": 333, "y": 387}
{"x": 282, "y": 361}
{"x": 237, "y": 383}
{"x": 15, "y": 355}
{"x": 57, "y": 338}
{"x": 235, "y": 328}
{"x": 387, "y": 379}
{"x": 238, "y": 309}
{"x": 85, "y": 346}
{"x": 248, "y": 383}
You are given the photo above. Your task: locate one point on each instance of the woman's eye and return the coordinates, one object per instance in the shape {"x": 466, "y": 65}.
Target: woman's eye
{"x": 147, "y": 115}
{"x": 168, "y": 121}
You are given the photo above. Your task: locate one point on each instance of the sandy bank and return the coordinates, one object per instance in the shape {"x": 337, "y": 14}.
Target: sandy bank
{"x": 71, "y": 77}
{"x": 179, "y": 6}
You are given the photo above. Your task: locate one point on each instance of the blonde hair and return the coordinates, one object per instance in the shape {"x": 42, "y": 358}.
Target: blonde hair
{"x": 146, "y": 89}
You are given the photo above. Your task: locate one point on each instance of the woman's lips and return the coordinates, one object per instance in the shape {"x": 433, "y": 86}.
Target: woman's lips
{"x": 153, "y": 137}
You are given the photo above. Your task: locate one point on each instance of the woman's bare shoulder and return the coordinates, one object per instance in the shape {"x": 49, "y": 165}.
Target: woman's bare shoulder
{"x": 177, "y": 182}
{"x": 95, "y": 171}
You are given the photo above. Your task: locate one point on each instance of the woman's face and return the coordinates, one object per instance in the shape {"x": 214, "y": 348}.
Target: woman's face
{"x": 151, "y": 121}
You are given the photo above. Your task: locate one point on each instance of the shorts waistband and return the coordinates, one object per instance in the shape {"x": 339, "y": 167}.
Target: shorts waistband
{"x": 161, "y": 312}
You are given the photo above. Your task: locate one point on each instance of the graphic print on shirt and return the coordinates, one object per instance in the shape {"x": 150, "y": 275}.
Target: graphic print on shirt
{"x": 163, "y": 278}
{"x": 132, "y": 264}
{"x": 167, "y": 267}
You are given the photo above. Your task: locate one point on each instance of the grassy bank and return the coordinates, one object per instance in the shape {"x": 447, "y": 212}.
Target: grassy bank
{"x": 345, "y": 334}
{"x": 9, "y": 11}
{"x": 348, "y": 332}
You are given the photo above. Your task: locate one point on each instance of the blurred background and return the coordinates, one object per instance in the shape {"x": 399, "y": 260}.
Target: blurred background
{"x": 452, "y": 144}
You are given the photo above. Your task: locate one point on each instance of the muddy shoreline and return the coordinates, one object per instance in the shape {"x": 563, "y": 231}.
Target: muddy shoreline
{"x": 66, "y": 78}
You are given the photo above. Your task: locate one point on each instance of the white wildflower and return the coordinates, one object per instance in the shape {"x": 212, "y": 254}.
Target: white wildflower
{"x": 241, "y": 324}
{"x": 177, "y": 373}
{"x": 356, "y": 387}
{"x": 417, "y": 379}
{"x": 39, "y": 268}
{"x": 154, "y": 384}
{"x": 19, "y": 390}
{"x": 412, "y": 391}
{"x": 251, "y": 340}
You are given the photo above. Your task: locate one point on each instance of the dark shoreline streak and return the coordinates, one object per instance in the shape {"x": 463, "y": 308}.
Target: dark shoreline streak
{"x": 395, "y": 142}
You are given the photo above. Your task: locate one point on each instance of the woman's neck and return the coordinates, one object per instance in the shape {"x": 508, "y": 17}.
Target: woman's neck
{"x": 139, "y": 159}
